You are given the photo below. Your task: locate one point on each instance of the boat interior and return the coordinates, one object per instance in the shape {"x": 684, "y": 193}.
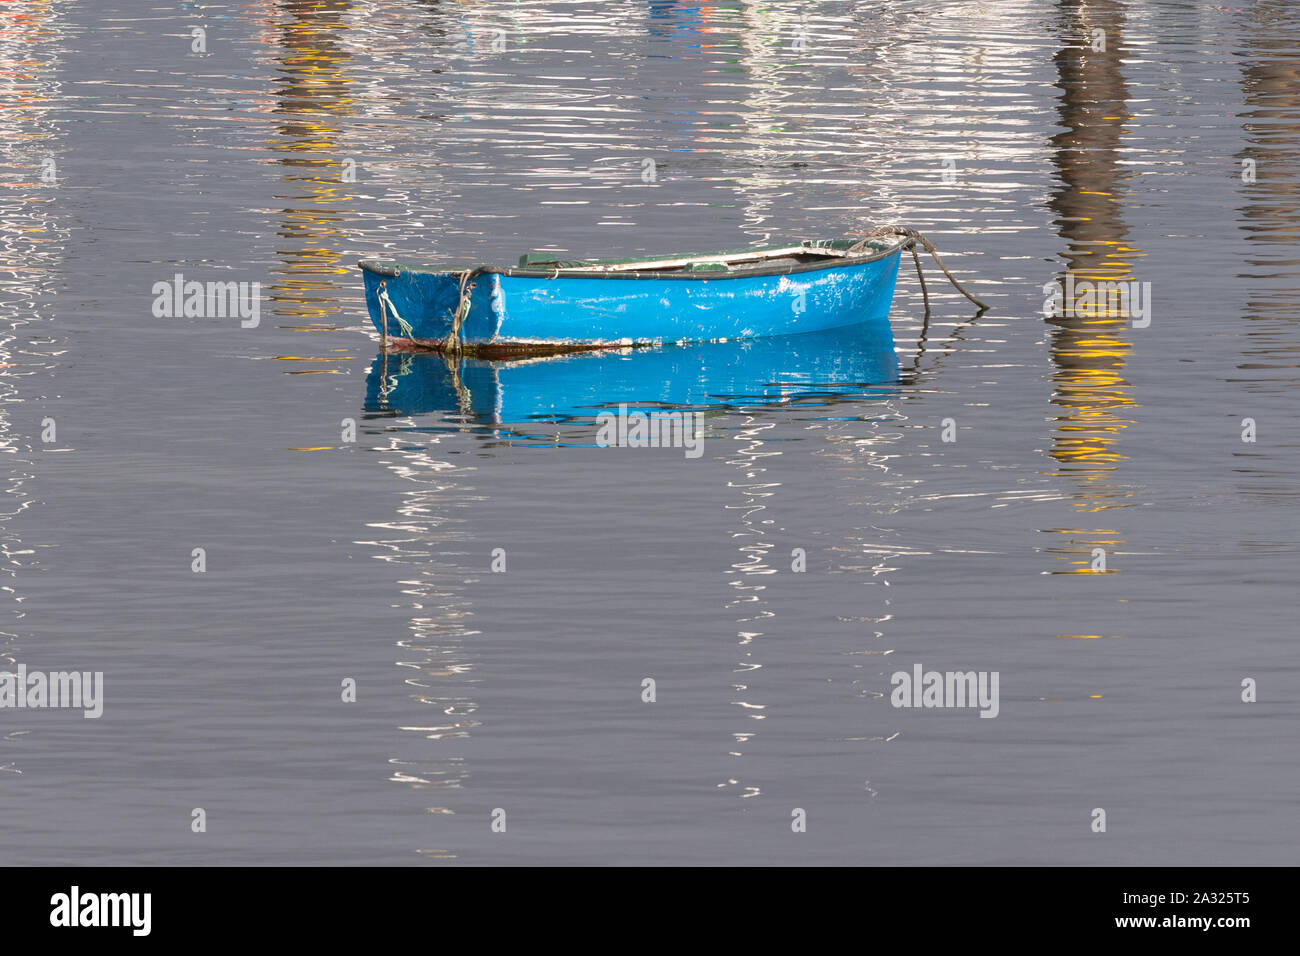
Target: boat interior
{"x": 721, "y": 262}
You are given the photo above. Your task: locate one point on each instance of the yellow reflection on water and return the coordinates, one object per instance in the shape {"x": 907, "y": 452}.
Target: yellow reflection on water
{"x": 312, "y": 93}
{"x": 1090, "y": 343}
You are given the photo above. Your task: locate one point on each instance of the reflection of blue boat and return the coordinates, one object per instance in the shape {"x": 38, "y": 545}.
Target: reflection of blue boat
{"x": 754, "y": 372}
{"x": 545, "y": 305}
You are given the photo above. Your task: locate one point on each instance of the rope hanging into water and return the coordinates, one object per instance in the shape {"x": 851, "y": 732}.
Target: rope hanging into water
{"x": 882, "y": 231}
{"x": 458, "y": 317}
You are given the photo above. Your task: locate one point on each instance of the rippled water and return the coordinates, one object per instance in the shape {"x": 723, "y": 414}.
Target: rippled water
{"x": 478, "y": 131}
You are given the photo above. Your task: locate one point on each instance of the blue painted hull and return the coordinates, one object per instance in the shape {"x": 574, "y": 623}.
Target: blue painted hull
{"x": 530, "y": 308}
{"x": 798, "y": 368}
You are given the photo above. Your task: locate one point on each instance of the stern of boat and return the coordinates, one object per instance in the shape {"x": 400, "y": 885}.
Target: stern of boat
{"x": 417, "y": 306}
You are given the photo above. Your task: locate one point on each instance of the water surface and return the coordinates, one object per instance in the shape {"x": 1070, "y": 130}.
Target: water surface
{"x": 308, "y": 135}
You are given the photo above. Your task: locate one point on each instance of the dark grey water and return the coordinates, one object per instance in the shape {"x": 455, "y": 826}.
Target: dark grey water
{"x": 478, "y": 131}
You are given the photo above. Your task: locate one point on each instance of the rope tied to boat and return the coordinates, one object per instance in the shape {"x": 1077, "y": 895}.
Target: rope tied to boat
{"x": 386, "y": 306}
{"x": 882, "y": 231}
{"x": 461, "y": 313}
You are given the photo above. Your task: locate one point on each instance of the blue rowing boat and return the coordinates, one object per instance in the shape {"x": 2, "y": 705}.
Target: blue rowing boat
{"x": 548, "y": 305}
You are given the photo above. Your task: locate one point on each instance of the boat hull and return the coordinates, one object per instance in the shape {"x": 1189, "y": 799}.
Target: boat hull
{"x": 536, "y": 310}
